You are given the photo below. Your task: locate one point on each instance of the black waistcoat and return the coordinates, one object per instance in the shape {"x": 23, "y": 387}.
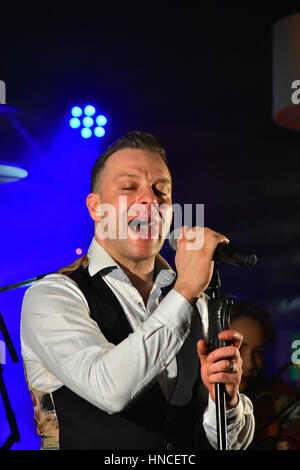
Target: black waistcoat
{"x": 150, "y": 422}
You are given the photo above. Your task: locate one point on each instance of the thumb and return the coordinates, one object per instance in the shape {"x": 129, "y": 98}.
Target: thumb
{"x": 181, "y": 234}
{"x": 202, "y": 350}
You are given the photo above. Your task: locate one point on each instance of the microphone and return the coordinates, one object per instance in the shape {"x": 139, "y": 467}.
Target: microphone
{"x": 225, "y": 253}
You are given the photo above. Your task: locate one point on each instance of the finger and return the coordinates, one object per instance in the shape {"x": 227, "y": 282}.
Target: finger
{"x": 195, "y": 238}
{"x": 202, "y": 349}
{"x": 227, "y": 352}
{"x": 233, "y": 336}
{"x": 216, "y": 236}
{"x": 223, "y": 377}
{"x": 181, "y": 236}
{"x": 188, "y": 233}
{"x": 226, "y": 365}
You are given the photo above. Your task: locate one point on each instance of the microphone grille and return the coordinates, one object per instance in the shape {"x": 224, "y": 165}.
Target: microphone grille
{"x": 174, "y": 235}
{"x": 252, "y": 260}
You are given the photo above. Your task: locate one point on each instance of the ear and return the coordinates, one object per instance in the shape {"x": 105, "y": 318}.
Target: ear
{"x": 93, "y": 202}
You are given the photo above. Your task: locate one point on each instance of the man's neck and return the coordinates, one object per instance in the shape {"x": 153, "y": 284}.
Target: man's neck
{"x": 141, "y": 277}
{"x": 140, "y": 272}
{"x": 141, "y": 280}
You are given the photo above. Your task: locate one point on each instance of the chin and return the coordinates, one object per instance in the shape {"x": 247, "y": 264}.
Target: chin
{"x": 143, "y": 249}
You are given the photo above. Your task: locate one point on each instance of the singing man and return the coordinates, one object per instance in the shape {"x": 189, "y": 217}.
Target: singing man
{"x": 114, "y": 347}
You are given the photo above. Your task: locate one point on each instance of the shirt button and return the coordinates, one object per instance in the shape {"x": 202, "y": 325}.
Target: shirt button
{"x": 170, "y": 446}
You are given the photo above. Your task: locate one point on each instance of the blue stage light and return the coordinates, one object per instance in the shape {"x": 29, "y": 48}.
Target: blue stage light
{"x": 89, "y": 110}
{"x": 86, "y": 132}
{"x": 101, "y": 120}
{"x": 76, "y": 111}
{"x": 75, "y": 122}
{"x": 88, "y": 121}
{"x": 10, "y": 173}
{"x": 88, "y": 125}
{"x": 99, "y": 131}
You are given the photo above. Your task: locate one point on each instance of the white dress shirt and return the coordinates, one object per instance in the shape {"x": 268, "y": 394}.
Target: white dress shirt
{"x": 62, "y": 345}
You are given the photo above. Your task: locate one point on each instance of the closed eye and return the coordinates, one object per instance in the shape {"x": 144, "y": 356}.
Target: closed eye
{"x": 157, "y": 192}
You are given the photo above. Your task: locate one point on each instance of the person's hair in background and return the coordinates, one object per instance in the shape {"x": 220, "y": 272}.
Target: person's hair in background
{"x": 259, "y": 337}
{"x": 244, "y": 308}
{"x": 134, "y": 140}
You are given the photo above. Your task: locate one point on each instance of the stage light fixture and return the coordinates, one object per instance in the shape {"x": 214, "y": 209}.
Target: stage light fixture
{"x": 86, "y": 132}
{"x": 9, "y": 173}
{"x": 75, "y": 122}
{"x": 101, "y": 120}
{"x": 87, "y": 122}
{"x": 76, "y": 111}
{"x": 89, "y": 110}
{"x": 99, "y": 131}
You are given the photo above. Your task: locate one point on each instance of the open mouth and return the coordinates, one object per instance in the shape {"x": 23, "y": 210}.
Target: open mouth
{"x": 137, "y": 224}
{"x": 145, "y": 228}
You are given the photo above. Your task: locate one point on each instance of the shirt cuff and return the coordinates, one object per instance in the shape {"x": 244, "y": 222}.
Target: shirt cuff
{"x": 176, "y": 313}
{"x": 231, "y": 415}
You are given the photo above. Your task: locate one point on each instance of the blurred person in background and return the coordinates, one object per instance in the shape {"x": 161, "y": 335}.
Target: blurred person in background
{"x": 276, "y": 403}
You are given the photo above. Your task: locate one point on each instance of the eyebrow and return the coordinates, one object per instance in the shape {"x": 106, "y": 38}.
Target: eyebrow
{"x": 130, "y": 175}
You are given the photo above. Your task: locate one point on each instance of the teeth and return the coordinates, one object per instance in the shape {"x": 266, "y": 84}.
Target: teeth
{"x": 139, "y": 223}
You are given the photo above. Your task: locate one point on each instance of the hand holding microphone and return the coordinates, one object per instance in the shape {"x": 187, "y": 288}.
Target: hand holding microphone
{"x": 195, "y": 263}
{"x": 195, "y": 266}
{"x": 221, "y": 368}
{"x": 224, "y": 252}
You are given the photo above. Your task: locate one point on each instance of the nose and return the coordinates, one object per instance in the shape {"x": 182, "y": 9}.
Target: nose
{"x": 146, "y": 195}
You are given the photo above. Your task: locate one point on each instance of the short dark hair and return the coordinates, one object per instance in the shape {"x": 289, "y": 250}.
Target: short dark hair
{"x": 244, "y": 308}
{"x": 135, "y": 140}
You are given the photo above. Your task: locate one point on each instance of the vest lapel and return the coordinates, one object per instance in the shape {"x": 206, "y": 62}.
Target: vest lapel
{"x": 110, "y": 317}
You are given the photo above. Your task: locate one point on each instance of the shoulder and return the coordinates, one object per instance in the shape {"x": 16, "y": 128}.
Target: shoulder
{"x": 53, "y": 292}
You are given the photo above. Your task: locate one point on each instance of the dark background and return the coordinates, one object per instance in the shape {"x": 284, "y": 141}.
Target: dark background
{"x": 198, "y": 78}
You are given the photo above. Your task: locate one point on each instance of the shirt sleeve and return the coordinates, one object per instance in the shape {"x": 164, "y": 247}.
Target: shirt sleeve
{"x": 58, "y": 334}
{"x": 239, "y": 420}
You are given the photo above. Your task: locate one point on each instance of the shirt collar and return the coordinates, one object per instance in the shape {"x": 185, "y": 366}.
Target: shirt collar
{"x": 100, "y": 260}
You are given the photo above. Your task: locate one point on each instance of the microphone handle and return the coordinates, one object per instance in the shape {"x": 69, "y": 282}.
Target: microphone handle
{"x": 234, "y": 255}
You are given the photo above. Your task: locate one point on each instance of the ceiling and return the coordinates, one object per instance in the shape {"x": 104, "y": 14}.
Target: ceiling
{"x": 201, "y": 80}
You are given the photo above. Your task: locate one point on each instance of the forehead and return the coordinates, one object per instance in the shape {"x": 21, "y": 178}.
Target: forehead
{"x": 251, "y": 329}
{"x": 136, "y": 161}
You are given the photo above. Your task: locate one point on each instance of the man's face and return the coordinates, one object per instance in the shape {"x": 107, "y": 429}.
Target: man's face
{"x": 138, "y": 185}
